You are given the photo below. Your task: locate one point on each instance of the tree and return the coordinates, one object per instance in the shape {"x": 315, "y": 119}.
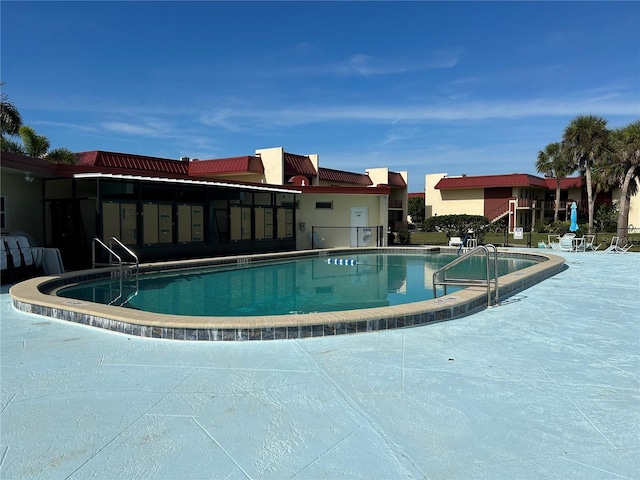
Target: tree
{"x": 10, "y": 122}
{"x": 552, "y": 162}
{"x": 415, "y": 208}
{"x": 458, "y": 225}
{"x": 10, "y": 119}
{"x": 34, "y": 145}
{"x": 626, "y": 147}
{"x": 61, "y": 155}
{"x": 586, "y": 140}
{"x": 9, "y": 145}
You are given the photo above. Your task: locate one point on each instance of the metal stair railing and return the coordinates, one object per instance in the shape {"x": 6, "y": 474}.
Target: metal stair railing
{"x": 116, "y": 260}
{"x": 440, "y": 275}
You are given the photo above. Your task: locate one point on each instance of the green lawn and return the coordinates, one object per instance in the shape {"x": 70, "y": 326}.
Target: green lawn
{"x": 438, "y": 238}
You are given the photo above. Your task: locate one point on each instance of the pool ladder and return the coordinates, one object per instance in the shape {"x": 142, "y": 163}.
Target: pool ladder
{"x": 440, "y": 275}
{"x": 125, "y": 269}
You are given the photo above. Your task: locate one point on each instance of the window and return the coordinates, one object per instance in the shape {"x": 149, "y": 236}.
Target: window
{"x": 3, "y": 212}
{"x": 324, "y": 205}
{"x": 190, "y": 218}
{"x": 120, "y": 220}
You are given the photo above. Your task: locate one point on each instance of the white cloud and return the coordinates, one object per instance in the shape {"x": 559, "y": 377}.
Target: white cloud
{"x": 367, "y": 65}
{"x": 606, "y": 105}
{"x": 135, "y": 129}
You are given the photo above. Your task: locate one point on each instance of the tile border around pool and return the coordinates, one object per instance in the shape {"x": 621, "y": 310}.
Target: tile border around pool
{"x": 34, "y": 296}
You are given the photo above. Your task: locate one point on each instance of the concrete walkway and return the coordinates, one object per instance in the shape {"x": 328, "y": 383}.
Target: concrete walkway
{"x": 545, "y": 386}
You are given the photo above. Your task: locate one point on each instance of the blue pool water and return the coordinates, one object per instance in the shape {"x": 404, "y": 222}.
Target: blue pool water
{"x": 303, "y": 285}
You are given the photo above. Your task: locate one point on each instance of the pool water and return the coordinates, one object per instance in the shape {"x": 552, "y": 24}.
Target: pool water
{"x": 304, "y": 285}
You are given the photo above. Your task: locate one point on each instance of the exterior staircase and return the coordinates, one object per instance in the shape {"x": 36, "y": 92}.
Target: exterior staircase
{"x": 502, "y": 215}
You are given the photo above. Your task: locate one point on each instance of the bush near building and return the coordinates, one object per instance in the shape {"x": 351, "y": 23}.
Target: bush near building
{"x": 458, "y": 225}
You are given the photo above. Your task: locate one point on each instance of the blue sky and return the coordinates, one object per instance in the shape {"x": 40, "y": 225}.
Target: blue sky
{"x": 459, "y": 87}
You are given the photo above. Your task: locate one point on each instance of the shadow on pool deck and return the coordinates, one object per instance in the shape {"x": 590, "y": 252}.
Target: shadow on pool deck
{"x": 544, "y": 386}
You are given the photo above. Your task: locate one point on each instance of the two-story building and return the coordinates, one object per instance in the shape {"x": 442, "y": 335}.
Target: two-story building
{"x": 522, "y": 199}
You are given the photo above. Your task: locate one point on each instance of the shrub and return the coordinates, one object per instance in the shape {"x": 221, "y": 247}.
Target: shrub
{"x": 542, "y": 226}
{"x": 404, "y": 237}
{"x": 606, "y": 217}
{"x": 458, "y": 225}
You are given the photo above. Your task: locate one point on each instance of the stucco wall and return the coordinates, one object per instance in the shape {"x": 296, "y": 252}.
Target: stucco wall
{"x": 432, "y": 197}
{"x": 451, "y": 202}
{"x": 634, "y": 207}
{"x": 273, "y": 162}
{"x": 338, "y": 216}
{"x": 378, "y": 175}
{"x": 24, "y": 205}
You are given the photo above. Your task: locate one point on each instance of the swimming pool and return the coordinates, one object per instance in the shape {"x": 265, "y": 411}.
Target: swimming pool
{"x": 37, "y": 296}
{"x": 290, "y": 286}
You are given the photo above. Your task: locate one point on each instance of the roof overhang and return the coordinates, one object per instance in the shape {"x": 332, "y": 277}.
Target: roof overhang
{"x": 333, "y": 190}
{"x": 490, "y": 181}
{"x": 182, "y": 181}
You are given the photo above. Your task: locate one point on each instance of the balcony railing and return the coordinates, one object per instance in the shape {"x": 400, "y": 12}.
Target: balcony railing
{"x": 395, "y": 204}
{"x": 527, "y": 203}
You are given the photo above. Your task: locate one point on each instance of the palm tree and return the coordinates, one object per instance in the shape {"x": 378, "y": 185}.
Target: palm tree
{"x": 10, "y": 119}
{"x": 61, "y": 155}
{"x": 586, "y": 140}
{"x": 552, "y": 162}
{"x": 9, "y": 145}
{"x": 626, "y": 147}
{"x": 34, "y": 145}
{"x": 10, "y": 122}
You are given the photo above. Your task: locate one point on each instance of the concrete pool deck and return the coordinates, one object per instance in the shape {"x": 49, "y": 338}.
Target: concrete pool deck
{"x": 546, "y": 385}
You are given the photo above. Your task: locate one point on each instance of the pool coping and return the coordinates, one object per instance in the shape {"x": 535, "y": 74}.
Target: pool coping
{"x": 31, "y": 296}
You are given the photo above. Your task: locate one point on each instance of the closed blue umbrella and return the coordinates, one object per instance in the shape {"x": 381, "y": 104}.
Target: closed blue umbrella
{"x": 574, "y": 217}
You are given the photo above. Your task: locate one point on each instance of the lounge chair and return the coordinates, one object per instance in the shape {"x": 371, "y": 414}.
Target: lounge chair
{"x": 14, "y": 257}
{"x": 27, "y": 255}
{"x": 566, "y": 242}
{"x": 52, "y": 261}
{"x": 553, "y": 242}
{"x": 588, "y": 243}
{"x": 455, "y": 242}
{"x": 615, "y": 248}
{"x": 7, "y": 268}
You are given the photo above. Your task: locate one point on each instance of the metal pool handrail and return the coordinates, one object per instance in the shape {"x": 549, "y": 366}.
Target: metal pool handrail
{"x": 125, "y": 248}
{"x": 108, "y": 249}
{"x": 120, "y": 264}
{"x": 442, "y": 272}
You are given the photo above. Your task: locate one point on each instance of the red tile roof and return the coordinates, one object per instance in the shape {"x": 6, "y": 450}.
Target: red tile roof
{"x": 339, "y": 190}
{"x": 396, "y": 180}
{"x": 226, "y": 166}
{"x": 340, "y": 176}
{"x": 298, "y": 165}
{"x": 565, "y": 183}
{"x": 491, "y": 181}
{"x": 416, "y": 195}
{"x": 129, "y": 162}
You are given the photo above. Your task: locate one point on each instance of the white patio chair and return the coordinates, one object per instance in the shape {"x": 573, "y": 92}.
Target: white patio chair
{"x": 615, "y": 248}
{"x": 588, "y": 243}
{"x": 566, "y": 242}
{"x": 455, "y": 242}
{"x": 14, "y": 252}
{"x": 25, "y": 250}
{"x": 4, "y": 258}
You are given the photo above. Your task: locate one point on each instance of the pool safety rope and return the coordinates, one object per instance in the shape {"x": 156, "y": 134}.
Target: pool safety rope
{"x": 341, "y": 261}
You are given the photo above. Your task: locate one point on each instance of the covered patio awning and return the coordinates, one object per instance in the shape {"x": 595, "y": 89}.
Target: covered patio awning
{"x": 185, "y": 181}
